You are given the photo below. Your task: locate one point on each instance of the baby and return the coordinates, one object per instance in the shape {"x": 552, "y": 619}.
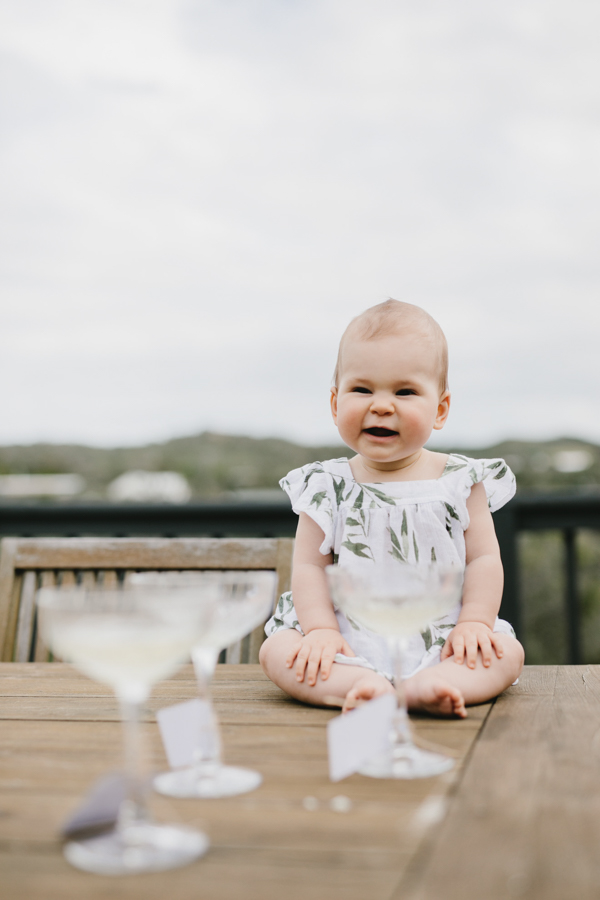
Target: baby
{"x": 396, "y": 499}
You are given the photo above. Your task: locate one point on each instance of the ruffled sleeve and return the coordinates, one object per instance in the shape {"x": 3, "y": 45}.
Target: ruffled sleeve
{"x": 310, "y": 490}
{"x": 498, "y": 480}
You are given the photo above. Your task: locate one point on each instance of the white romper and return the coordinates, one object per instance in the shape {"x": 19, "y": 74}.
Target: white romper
{"x": 410, "y": 520}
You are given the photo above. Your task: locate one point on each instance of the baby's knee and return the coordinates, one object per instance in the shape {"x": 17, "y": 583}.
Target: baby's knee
{"x": 275, "y": 649}
{"x": 265, "y": 654}
{"x": 513, "y": 655}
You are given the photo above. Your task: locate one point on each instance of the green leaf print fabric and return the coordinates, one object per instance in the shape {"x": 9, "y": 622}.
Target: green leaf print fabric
{"x": 399, "y": 521}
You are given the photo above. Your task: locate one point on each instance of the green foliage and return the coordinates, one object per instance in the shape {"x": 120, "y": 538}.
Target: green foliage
{"x": 542, "y": 595}
{"x": 213, "y": 464}
{"x": 217, "y": 463}
{"x": 541, "y": 589}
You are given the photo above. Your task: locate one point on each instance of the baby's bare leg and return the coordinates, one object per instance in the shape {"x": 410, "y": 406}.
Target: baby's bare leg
{"x": 476, "y": 685}
{"x": 341, "y": 680}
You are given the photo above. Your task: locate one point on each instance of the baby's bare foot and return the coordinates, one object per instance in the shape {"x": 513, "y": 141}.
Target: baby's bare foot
{"x": 367, "y": 688}
{"x": 434, "y": 695}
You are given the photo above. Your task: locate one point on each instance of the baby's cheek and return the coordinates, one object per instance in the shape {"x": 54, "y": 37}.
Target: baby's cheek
{"x": 417, "y": 421}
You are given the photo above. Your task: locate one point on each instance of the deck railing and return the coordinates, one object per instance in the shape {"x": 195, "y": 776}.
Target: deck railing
{"x": 255, "y": 519}
{"x": 546, "y": 512}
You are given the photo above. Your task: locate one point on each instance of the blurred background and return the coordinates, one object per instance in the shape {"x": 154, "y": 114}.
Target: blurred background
{"x": 197, "y": 196}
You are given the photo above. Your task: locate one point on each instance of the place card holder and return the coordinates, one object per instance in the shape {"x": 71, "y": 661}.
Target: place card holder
{"x": 100, "y": 809}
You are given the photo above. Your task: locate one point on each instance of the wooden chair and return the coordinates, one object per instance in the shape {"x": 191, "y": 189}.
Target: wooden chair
{"x": 29, "y": 563}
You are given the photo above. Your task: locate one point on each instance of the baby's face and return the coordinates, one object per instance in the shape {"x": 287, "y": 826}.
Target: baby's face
{"x": 388, "y": 398}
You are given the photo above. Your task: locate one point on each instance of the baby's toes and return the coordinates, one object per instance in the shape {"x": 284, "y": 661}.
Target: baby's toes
{"x": 354, "y": 698}
{"x": 366, "y": 689}
{"x": 358, "y": 694}
{"x": 451, "y": 700}
{"x": 458, "y": 704}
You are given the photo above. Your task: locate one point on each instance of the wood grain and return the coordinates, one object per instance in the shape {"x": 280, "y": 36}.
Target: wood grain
{"x": 26, "y": 617}
{"x": 150, "y": 553}
{"x": 10, "y": 592}
{"x": 100, "y": 562}
{"x": 59, "y": 732}
{"x": 526, "y": 820}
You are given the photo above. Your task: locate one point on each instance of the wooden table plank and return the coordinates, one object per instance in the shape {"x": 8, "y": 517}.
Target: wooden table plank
{"x": 59, "y": 731}
{"x": 526, "y": 820}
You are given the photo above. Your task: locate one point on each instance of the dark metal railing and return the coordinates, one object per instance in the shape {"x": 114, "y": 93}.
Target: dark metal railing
{"x": 225, "y": 519}
{"x": 255, "y": 519}
{"x": 548, "y": 512}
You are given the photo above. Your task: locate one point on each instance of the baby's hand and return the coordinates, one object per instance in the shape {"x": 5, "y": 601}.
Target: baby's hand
{"x": 317, "y": 649}
{"x": 466, "y": 638}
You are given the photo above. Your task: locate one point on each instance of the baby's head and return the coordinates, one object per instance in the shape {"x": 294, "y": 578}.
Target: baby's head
{"x": 396, "y": 318}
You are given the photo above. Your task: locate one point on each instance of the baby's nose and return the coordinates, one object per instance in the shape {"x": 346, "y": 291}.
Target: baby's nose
{"x": 382, "y": 404}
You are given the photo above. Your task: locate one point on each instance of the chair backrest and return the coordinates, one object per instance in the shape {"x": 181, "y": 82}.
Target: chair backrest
{"x": 29, "y": 563}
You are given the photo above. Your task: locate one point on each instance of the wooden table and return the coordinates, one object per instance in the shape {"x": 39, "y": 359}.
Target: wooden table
{"x": 518, "y": 817}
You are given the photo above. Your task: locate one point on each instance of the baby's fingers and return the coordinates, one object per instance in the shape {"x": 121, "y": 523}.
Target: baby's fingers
{"x": 289, "y": 660}
{"x": 327, "y": 659}
{"x": 485, "y": 645}
{"x": 497, "y": 642}
{"x": 471, "y": 648}
{"x": 347, "y": 649}
{"x": 459, "y": 648}
{"x": 447, "y": 650}
{"x": 301, "y": 662}
{"x": 312, "y": 667}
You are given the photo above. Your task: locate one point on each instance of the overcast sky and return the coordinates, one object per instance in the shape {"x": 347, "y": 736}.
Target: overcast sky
{"x": 197, "y": 196}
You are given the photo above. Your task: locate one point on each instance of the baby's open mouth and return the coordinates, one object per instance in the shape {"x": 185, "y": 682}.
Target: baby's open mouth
{"x": 381, "y": 432}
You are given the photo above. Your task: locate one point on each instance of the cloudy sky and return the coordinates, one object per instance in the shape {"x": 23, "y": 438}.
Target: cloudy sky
{"x": 197, "y": 195}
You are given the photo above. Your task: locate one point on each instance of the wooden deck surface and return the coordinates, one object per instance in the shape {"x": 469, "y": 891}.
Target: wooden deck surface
{"x": 518, "y": 817}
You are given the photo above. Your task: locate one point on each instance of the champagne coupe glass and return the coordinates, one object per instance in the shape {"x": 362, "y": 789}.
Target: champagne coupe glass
{"x": 128, "y": 639}
{"x": 244, "y": 600}
{"x": 398, "y": 602}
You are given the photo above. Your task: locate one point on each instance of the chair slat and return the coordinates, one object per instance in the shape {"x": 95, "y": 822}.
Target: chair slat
{"x": 109, "y": 579}
{"x": 26, "y": 614}
{"x": 67, "y": 578}
{"x": 149, "y": 553}
{"x": 10, "y": 594}
{"x": 40, "y": 651}
{"x": 47, "y": 578}
{"x": 88, "y": 579}
{"x": 234, "y": 653}
{"x": 108, "y": 562}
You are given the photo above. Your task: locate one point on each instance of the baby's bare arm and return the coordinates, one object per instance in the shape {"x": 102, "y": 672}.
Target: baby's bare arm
{"x": 309, "y": 582}
{"x": 322, "y": 638}
{"x": 482, "y": 591}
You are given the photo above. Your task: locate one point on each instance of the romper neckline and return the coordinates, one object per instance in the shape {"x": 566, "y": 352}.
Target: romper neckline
{"x": 381, "y": 483}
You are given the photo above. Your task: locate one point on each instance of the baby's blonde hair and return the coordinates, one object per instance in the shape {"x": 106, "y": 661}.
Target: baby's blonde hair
{"x": 396, "y": 317}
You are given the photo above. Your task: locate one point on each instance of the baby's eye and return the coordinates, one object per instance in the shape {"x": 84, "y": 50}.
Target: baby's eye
{"x": 405, "y": 392}
{"x": 360, "y": 390}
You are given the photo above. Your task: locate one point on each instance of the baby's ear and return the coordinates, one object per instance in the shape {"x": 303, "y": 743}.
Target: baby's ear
{"x": 442, "y": 410}
{"x": 333, "y": 402}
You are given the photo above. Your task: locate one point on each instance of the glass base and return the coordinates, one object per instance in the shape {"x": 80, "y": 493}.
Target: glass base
{"x": 223, "y": 781}
{"x": 140, "y": 848}
{"x": 407, "y": 761}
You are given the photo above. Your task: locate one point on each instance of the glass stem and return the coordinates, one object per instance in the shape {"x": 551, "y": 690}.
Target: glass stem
{"x": 208, "y": 753}
{"x": 133, "y": 810}
{"x": 402, "y": 733}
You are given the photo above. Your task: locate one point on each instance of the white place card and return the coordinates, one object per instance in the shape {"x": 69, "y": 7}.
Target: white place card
{"x": 358, "y": 736}
{"x": 99, "y": 810}
{"x": 183, "y": 729}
